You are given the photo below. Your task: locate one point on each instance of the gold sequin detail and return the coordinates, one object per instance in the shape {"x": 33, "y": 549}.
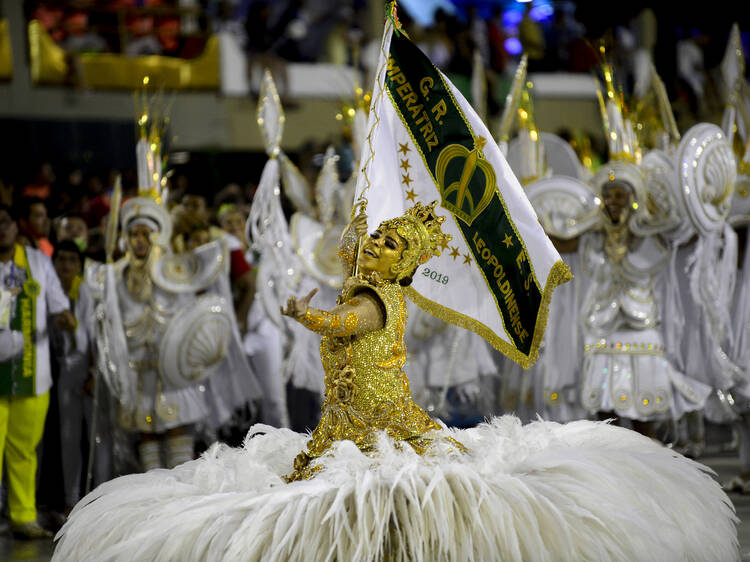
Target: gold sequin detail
{"x": 350, "y": 323}
{"x": 329, "y": 324}
{"x": 367, "y": 390}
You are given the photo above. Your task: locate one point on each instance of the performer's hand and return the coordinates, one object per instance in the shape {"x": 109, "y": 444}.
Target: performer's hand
{"x": 356, "y": 228}
{"x": 297, "y": 308}
{"x": 65, "y": 321}
{"x": 359, "y": 224}
{"x": 468, "y": 393}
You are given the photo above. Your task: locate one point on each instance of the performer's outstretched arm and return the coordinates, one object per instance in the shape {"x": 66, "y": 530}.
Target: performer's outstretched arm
{"x": 358, "y": 315}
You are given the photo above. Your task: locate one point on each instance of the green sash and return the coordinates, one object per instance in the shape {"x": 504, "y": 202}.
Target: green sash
{"x": 18, "y": 376}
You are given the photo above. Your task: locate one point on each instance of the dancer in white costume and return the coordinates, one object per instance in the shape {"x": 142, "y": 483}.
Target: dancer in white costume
{"x": 170, "y": 357}
{"x": 736, "y": 124}
{"x": 628, "y": 322}
{"x": 299, "y": 256}
{"x": 625, "y": 368}
{"x": 145, "y": 306}
{"x": 380, "y": 480}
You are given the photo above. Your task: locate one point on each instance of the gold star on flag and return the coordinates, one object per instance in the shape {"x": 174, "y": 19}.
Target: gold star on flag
{"x": 454, "y": 253}
{"x": 403, "y": 148}
{"x": 467, "y": 258}
{"x": 410, "y": 195}
{"x": 407, "y": 180}
{"x": 405, "y": 164}
{"x": 479, "y": 143}
{"x": 508, "y": 241}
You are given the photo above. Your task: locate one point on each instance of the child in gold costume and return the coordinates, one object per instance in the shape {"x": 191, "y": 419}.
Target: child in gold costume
{"x": 379, "y": 480}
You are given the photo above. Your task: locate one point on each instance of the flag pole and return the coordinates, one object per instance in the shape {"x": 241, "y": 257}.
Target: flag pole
{"x": 110, "y": 243}
{"x": 360, "y": 205}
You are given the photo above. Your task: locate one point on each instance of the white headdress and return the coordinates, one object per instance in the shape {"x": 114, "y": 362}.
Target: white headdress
{"x": 148, "y": 208}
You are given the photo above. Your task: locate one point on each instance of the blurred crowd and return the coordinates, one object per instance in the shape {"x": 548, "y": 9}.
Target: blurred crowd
{"x": 562, "y": 36}
{"x": 294, "y": 30}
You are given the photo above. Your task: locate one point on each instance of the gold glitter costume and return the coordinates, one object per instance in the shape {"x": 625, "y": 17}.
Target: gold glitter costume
{"x": 363, "y": 354}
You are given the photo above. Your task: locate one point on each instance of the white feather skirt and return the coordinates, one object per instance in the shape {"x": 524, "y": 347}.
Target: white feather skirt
{"x": 541, "y": 491}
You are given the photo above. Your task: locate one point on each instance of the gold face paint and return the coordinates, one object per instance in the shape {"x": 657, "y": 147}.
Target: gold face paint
{"x": 381, "y": 251}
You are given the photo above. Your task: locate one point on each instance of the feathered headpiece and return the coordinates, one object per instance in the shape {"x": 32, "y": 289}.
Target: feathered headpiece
{"x": 533, "y": 163}
{"x": 152, "y": 119}
{"x": 624, "y": 151}
{"x": 618, "y": 128}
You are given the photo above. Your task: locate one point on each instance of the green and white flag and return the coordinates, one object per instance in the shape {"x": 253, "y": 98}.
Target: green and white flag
{"x": 426, "y": 143}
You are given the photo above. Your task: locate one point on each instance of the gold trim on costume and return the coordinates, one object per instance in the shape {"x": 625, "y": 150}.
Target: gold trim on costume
{"x": 559, "y": 273}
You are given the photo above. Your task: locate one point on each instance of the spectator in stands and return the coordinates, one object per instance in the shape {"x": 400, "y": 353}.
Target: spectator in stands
{"x": 51, "y": 16}
{"x": 79, "y": 38}
{"x": 168, "y": 34}
{"x": 562, "y": 32}
{"x": 96, "y": 201}
{"x": 66, "y": 191}
{"x": 496, "y": 31}
{"x": 462, "y": 60}
{"x": 198, "y": 235}
{"x": 479, "y": 33}
{"x": 193, "y": 211}
{"x": 142, "y": 38}
{"x": 232, "y": 220}
{"x": 72, "y": 227}
{"x": 41, "y": 187}
{"x": 6, "y": 192}
{"x": 34, "y": 225}
{"x": 437, "y": 44}
{"x": 273, "y": 40}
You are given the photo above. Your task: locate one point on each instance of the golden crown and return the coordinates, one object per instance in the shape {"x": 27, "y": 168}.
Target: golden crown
{"x": 421, "y": 228}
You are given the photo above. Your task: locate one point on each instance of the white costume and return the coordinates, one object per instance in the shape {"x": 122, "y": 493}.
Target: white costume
{"x": 625, "y": 368}
{"x": 556, "y": 398}
{"x": 133, "y": 330}
{"x": 263, "y": 344}
{"x": 633, "y": 311}
{"x": 542, "y": 491}
{"x": 170, "y": 357}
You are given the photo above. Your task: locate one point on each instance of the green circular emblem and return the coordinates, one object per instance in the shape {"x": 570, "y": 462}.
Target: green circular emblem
{"x": 32, "y": 288}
